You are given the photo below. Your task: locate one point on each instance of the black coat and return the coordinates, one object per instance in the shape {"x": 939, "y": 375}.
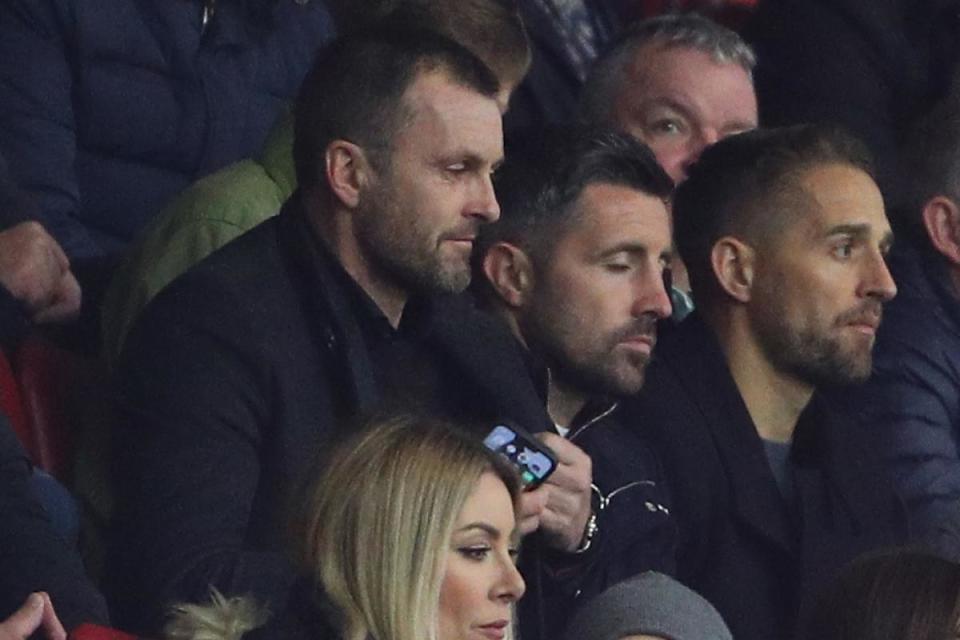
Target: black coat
{"x": 236, "y": 377}
{"x": 32, "y": 556}
{"x": 636, "y": 530}
{"x": 740, "y": 547}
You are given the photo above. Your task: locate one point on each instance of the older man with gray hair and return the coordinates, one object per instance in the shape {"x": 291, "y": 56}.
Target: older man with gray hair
{"x": 679, "y": 83}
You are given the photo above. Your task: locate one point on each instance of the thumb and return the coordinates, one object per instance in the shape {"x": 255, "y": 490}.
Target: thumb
{"x": 24, "y": 620}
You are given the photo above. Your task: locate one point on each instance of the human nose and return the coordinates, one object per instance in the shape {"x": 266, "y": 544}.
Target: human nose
{"x": 483, "y": 203}
{"x": 651, "y": 295}
{"x": 878, "y": 282}
{"x": 510, "y": 585}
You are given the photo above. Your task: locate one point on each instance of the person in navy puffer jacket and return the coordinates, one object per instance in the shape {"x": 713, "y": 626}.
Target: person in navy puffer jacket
{"x": 111, "y": 107}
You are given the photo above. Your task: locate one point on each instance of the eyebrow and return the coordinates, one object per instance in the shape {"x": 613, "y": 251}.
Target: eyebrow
{"x": 489, "y": 529}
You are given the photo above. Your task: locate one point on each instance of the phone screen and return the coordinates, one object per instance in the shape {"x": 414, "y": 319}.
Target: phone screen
{"x": 532, "y": 459}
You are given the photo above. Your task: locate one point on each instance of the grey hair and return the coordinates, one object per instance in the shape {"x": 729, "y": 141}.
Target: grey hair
{"x": 674, "y": 30}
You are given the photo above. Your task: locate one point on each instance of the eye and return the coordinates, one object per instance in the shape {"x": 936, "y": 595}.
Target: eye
{"x": 476, "y": 553}
{"x": 667, "y": 127}
{"x": 617, "y": 267}
{"x": 456, "y": 167}
{"x": 843, "y": 250}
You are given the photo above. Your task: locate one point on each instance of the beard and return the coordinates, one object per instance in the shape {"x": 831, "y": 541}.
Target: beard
{"x": 817, "y": 357}
{"x": 597, "y": 369}
{"x": 403, "y": 248}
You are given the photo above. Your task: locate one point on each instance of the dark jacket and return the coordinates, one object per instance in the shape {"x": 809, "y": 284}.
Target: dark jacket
{"x": 108, "y": 108}
{"x": 32, "y": 556}
{"x": 872, "y": 67}
{"x": 912, "y": 401}
{"x": 758, "y": 561}
{"x": 236, "y": 377}
{"x": 636, "y": 530}
{"x": 550, "y": 91}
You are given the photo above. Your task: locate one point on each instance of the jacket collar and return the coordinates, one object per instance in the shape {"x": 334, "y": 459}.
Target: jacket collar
{"x": 710, "y": 385}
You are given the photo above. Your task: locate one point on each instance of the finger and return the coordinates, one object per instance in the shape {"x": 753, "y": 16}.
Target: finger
{"x": 58, "y": 254}
{"x": 528, "y": 525}
{"x": 533, "y": 502}
{"x": 51, "y": 623}
{"x": 24, "y": 620}
{"x": 566, "y": 452}
{"x": 66, "y": 301}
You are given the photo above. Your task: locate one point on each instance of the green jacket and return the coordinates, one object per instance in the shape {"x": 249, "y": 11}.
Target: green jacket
{"x": 202, "y": 218}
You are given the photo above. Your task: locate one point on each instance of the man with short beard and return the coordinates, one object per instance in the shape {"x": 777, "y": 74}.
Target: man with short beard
{"x": 785, "y": 237}
{"x": 242, "y": 372}
{"x": 575, "y": 266}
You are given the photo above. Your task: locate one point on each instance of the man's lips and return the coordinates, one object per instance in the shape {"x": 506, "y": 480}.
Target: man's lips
{"x": 643, "y": 341}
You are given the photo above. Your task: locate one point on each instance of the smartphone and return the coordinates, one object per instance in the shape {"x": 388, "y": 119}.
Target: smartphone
{"x": 533, "y": 459}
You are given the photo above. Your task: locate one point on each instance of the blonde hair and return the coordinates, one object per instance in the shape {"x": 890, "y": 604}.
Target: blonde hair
{"x": 379, "y": 520}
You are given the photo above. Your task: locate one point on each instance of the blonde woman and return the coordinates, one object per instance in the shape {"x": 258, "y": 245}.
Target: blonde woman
{"x": 410, "y": 534}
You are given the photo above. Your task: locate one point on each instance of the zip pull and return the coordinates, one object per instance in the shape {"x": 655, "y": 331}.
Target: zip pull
{"x": 209, "y": 9}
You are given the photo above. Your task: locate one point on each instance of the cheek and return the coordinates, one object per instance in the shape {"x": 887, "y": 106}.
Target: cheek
{"x": 460, "y": 594}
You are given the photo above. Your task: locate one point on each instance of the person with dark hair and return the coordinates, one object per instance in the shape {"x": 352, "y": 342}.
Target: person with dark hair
{"x": 897, "y": 593}
{"x": 784, "y": 234}
{"x": 241, "y": 371}
{"x": 678, "y": 82}
{"x": 912, "y": 401}
{"x": 575, "y": 267}
{"x": 221, "y": 206}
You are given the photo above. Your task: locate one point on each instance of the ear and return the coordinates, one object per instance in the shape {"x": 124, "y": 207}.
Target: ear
{"x": 733, "y": 261}
{"x": 347, "y": 171}
{"x": 509, "y": 271}
{"x": 941, "y": 217}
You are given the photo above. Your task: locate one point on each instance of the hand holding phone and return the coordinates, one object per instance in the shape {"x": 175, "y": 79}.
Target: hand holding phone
{"x": 533, "y": 459}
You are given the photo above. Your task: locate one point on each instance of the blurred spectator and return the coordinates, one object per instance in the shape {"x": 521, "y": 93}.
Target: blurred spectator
{"x": 238, "y": 374}
{"x": 33, "y": 556}
{"x": 784, "y": 235}
{"x": 872, "y": 67}
{"x": 678, "y": 83}
{"x": 567, "y": 35}
{"x": 110, "y": 108}
{"x": 220, "y": 207}
{"x": 911, "y": 403}
{"x": 651, "y": 606}
{"x": 575, "y": 266}
{"x": 900, "y": 593}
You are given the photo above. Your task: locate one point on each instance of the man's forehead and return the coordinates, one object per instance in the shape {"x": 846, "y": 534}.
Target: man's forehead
{"x": 446, "y": 113}
{"x": 608, "y": 212}
{"x": 685, "y": 75}
{"x": 839, "y": 195}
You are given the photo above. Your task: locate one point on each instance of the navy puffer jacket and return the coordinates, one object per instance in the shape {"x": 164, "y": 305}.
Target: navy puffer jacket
{"x": 108, "y": 108}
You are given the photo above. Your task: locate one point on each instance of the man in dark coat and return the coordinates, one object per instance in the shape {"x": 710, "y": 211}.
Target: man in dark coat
{"x": 575, "y": 267}
{"x": 241, "y": 373}
{"x": 784, "y": 236}
{"x": 111, "y": 107}
{"x": 912, "y": 400}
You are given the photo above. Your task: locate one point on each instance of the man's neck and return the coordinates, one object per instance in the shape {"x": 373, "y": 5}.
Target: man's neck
{"x": 335, "y": 233}
{"x": 563, "y": 402}
{"x": 773, "y": 399}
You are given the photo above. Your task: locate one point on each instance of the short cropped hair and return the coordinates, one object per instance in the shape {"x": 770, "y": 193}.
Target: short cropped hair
{"x": 492, "y": 29}
{"x": 544, "y": 175}
{"x": 898, "y": 593}
{"x": 746, "y": 185}
{"x": 608, "y": 76}
{"x": 355, "y": 91}
{"x": 378, "y": 522}
{"x": 931, "y": 158}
